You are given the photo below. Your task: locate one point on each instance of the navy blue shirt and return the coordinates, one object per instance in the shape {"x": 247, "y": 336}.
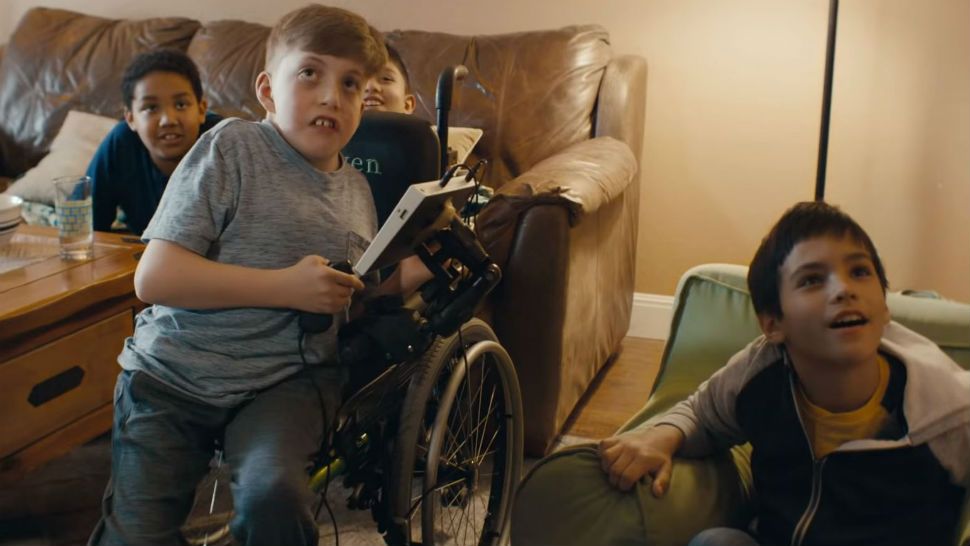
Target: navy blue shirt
{"x": 123, "y": 175}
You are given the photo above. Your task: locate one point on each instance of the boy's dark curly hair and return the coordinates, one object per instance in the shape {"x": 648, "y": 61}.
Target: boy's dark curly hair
{"x": 159, "y": 60}
{"x": 803, "y": 221}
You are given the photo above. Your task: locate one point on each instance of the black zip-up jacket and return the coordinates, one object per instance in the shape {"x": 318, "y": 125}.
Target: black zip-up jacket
{"x": 904, "y": 487}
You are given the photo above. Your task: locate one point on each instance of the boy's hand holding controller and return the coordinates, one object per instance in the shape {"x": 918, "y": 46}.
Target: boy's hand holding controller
{"x": 632, "y": 455}
{"x": 319, "y": 286}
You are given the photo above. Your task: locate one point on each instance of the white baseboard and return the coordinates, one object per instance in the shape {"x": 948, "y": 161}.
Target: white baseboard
{"x": 651, "y": 316}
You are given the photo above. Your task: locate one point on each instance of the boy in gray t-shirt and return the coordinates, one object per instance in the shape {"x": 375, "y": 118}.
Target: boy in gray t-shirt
{"x": 242, "y": 241}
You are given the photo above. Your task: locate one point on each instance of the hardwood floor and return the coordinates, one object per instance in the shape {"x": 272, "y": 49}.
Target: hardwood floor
{"x": 59, "y": 503}
{"x": 619, "y": 391}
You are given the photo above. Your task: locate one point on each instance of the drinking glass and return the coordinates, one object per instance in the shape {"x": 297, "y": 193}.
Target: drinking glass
{"x": 75, "y": 217}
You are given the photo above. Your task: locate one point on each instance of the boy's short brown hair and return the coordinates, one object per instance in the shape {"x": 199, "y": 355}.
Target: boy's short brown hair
{"x": 327, "y": 30}
{"x": 805, "y": 220}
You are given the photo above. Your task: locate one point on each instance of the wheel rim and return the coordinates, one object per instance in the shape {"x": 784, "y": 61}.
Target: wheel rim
{"x": 468, "y": 467}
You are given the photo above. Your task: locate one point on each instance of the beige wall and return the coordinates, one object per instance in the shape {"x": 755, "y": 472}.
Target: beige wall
{"x": 900, "y": 158}
{"x": 734, "y": 89}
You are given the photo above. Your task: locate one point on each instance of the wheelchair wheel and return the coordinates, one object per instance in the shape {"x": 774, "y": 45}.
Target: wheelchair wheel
{"x": 458, "y": 454}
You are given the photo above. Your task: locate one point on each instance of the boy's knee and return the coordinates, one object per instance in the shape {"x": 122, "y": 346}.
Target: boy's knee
{"x": 722, "y": 536}
{"x": 273, "y": 508}
{"x": 567, "y": 499}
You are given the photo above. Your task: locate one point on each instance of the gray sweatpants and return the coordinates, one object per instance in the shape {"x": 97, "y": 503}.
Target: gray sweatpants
{"x": 162, "y": 443}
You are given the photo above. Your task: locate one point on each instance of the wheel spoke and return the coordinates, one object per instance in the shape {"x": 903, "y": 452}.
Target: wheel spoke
{"x": 492, "y": 441}
{"x": 458, "y": 416}
{"x": 468, "y": 401}
{"x": 451, "y": 517}
{"x": 472, "y": 435}
{"x": 491, "y": 406}
{"x": 439, "y": 486}
{"x": 481, "y": 386}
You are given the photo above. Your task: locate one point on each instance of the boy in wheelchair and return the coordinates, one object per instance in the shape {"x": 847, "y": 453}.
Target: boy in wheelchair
{"x": 244, "y": 235}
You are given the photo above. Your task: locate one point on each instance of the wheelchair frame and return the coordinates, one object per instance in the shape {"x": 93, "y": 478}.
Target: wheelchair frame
{"x": 426, "y": 390}
{"x": 426, "y": 405}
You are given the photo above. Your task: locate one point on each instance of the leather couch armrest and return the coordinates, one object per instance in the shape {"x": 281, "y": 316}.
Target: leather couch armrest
{"x": 582, "y": 178}
{"x": 587, "y": 175}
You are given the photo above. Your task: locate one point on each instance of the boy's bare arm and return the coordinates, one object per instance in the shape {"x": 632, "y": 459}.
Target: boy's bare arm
{"x": 632, "y": 455}
{"x": 408, "y": 277}
{"x": 169, "y": 274}
{"x": 701, "y": 424}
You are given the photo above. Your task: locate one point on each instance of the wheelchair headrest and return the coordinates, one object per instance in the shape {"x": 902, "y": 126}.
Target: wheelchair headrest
{"x": 393, "y": 151}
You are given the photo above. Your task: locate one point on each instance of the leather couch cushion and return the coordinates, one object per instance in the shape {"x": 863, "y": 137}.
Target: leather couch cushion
{"x": 533, "y": 93}
{"x": 59, "y": 60}
{"x": 230, "y": 54}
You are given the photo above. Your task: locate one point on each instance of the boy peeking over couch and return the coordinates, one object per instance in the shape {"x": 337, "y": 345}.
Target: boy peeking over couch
{"x": 165, "y": 113}
{"x": 390, "y": 89}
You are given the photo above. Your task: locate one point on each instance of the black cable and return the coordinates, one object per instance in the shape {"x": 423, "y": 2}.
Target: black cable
{"x": 450, "y": 173}
{"x": 474, "y": 215}
{"x": 327, "y": 436}
{"x": 327, "y": 427}
{"x": 327, "y": 441}
{"x": 336, "y": 531}
{"x": 467, "y": 219}
{"x": 474, "y": 170}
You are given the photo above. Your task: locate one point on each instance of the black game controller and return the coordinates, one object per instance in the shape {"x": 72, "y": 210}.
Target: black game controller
{"x": 315, "y": 323}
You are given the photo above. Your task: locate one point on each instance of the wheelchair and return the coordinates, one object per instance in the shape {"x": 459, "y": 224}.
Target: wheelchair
{"x": 429, "y": 437}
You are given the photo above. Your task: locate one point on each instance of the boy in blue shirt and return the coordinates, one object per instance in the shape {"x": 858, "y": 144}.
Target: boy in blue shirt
{"x": 164, "y": 115}
{"x": 242, "y": 240}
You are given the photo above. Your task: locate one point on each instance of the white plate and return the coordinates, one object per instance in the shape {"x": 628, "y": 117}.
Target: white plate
{"x": 6, "y": 236}
{"x": 9, "y": 208}
{"x": 11, "y": 224}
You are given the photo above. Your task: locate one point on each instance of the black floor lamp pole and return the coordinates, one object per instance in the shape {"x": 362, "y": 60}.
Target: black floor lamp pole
{"x": 823, "y": 137}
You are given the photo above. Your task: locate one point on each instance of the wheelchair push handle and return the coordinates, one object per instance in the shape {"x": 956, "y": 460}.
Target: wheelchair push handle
{"x": 443, "y": 96}
{"x": 315, "y": 323}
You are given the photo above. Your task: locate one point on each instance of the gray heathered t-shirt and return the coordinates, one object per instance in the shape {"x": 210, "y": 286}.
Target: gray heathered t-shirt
{"x": 244, "y": 196}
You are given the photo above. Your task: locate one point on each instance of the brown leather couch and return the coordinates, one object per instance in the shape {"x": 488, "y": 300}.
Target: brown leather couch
{"x": 563, "y": 121}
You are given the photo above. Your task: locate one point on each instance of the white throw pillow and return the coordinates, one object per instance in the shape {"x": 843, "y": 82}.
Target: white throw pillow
{"x": 71, "y": 152}
{"x": 462, "y": 140}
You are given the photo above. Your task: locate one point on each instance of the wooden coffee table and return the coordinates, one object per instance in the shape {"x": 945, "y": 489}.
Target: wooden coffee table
{"x": 62, "y": 325}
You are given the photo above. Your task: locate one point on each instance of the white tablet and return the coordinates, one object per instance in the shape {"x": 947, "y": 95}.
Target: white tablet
{"x": 407, "y": 226}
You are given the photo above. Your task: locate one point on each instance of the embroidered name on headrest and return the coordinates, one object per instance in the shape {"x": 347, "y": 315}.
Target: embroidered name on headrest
{"x": 366, "y": 165}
